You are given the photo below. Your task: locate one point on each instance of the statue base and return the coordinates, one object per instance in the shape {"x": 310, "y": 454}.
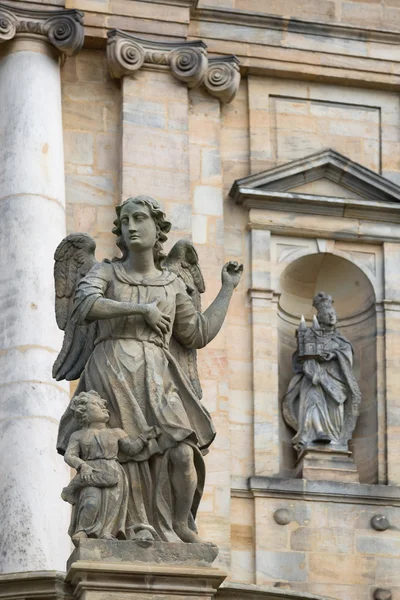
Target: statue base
{"x": 326, "y": 463}
{"x": 115, "y": 569}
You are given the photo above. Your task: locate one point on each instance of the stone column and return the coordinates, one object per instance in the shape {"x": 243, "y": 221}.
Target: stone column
{"x": 33, "y": 518}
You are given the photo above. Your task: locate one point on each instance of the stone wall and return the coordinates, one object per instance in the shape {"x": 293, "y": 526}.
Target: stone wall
{"x": 314, "y": 75}
{"x": 150, "y": 134}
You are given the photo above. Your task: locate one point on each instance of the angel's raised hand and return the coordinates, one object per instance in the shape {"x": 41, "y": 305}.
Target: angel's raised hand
{"x": 158, "y": 321}
{"x": 231, "y": 273}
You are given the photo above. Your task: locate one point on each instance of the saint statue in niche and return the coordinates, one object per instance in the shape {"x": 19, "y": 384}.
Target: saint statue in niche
{"x": 323, "y": 397}
{"x": 132, "y": 326}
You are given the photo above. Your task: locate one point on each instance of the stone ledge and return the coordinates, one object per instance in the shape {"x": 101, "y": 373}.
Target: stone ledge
{"x": 158, "y": 554}
{"x": 238, "y": 591}
{"x": 328, "y": 491}
{"x": 39, "y": 585}
{"x": 294, "y": 25}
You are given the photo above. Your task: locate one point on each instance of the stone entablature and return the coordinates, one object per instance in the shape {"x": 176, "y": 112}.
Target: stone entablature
{"x": 62, "y": 28}
{"x": 187, "y": 61}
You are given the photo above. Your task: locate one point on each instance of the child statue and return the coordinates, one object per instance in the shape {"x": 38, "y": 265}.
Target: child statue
{"x": 99, "y": 491}
{"x": 323, "y": 397}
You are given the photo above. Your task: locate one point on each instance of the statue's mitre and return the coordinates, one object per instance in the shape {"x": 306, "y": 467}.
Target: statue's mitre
{"x": 321, "y": 300}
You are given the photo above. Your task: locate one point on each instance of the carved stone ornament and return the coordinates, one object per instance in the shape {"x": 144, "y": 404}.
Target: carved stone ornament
{"x": 63, "y": 28}
{"x": 126, "y": 54}
{"x": 223, "y": 77}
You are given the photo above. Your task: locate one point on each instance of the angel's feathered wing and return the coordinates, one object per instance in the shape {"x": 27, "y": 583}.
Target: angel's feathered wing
{"x": 184, "y": 261}
{"x": 74, "y": 257}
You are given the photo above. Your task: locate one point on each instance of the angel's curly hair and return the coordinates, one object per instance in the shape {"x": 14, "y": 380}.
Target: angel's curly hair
{"x": 79, "y": 406}
{"x": 162, "y": 226}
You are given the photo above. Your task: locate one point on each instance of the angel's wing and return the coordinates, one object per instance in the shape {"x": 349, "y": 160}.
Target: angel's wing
{"x": 184, "y": 261}
{"x": 74, "y": 257}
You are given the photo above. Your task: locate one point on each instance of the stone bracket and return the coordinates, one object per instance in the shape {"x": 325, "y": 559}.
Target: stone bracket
{"x": 188, "y": 62}
{"x": 62, "y": 28}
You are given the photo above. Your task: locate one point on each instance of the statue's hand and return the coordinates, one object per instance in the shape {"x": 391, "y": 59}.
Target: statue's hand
{"x": 316, "y": 380}
{"x": 327, "y": 356}
{"x": 157, "y": 320}
{"x": 231, "y": 273}
{"x": 150, "y": 434}
{"x": 86, "y": 472}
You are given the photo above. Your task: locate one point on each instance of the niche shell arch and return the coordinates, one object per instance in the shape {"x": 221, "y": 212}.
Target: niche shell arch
{"x": 354, "y": 301}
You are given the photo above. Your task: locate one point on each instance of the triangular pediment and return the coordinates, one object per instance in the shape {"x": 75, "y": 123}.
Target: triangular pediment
{"x": 326, "y": 187}
{"x": 324, "y": 175}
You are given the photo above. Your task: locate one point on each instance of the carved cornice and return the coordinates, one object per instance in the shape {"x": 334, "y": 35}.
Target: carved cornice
{"x": 223, "y": 77}
{"x": 62, "y": 28}
{"x": 264, "y": 21}
{"x": 188, "y": 62}
{"x": 126, "y": 54}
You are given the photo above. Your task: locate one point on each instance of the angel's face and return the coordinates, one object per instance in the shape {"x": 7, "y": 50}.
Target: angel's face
{"x": 138, "y": 228}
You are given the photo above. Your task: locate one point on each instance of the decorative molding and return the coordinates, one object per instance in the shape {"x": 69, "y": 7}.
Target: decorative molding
{"x": 223, "y": 77}
{"x": 250, "y": 591}
{"x": 294, "y": 25}
{"x": 391, "y": 305}
{"x": 62, "y": 28}
{"x": 188, "y": 62}
{"x": 127, "y": 53}
{"x": 322, "y": 491}
{"x": 30, "y": 585}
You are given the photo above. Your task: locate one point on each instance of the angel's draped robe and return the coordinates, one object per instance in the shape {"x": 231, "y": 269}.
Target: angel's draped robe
{"x": 133, "y": 369}
{"x": 336, "y": 391}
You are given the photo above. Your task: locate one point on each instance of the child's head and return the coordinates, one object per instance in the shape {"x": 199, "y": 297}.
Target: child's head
{"x": 89, "y": 407}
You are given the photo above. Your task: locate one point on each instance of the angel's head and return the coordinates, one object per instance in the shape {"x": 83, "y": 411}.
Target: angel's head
{"x": 141, "y": 225}
{"x": 89, "y": 407}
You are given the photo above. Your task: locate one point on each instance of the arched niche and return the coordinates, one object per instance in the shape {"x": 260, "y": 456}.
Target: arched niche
{"x": 354, "y": 300}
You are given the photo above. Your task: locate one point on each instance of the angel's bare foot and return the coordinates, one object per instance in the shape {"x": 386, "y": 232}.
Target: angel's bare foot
{"x": 80, "y": 535}
{"x": 108, "y": 536}
{"x": 186, "y": 534}
{"x": 144, "y": 538}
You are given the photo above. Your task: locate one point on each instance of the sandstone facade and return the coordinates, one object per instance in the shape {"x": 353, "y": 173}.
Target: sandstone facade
{"x": 314, "y": 76}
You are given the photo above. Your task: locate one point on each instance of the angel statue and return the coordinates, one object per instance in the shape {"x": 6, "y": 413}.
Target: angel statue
{"x": 323, "y": 398}
{"x": 132, "y": 326}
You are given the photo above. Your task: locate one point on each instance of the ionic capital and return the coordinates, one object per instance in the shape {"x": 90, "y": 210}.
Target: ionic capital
{"x": 62, "y": 28}
{"x": 223, "y": 77}
{"x": 126, "y": 54}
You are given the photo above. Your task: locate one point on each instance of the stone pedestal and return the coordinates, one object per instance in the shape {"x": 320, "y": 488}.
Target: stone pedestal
{"x": 326, "y": 463}
{"x": 123, "y": 569}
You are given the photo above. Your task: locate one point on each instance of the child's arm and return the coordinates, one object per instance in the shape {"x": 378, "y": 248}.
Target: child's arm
{"x": 132, "y": 447}
{"x": 72, "y": 453}
{"x": 73, "y": 459}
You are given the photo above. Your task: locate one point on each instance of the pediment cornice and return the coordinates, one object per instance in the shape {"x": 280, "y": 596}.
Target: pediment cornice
{"x": 376, "y": 197}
